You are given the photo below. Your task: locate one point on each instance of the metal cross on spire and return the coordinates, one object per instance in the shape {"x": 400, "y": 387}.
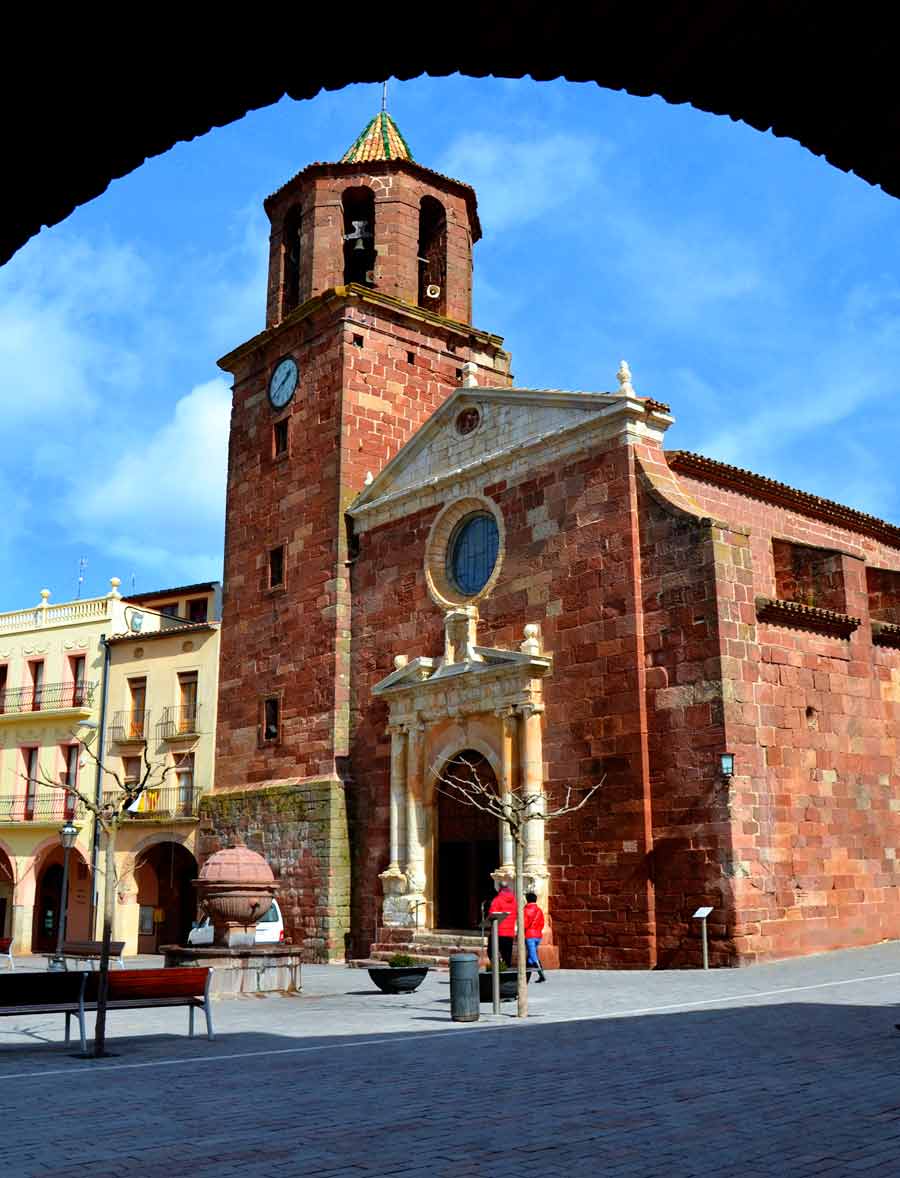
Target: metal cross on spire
{"x": 384, "y": 96}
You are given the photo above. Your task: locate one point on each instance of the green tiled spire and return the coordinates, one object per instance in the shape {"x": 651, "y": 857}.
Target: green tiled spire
{"x": 380, "y": 140}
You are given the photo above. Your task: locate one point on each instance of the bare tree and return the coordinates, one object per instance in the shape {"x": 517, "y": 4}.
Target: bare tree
{"x": 109, "y": 813}
{"x": 461, "y": 779}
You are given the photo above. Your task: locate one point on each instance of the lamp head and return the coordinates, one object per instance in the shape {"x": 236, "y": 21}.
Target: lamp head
{"x": 67, "y": 835}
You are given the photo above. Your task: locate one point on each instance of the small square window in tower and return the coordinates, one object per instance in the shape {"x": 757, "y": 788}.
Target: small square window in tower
{"x": 432, "y": 255}
{"x": 359, "y": 236}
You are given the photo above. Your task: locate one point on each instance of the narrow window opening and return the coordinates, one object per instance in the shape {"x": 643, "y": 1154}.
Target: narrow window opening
{"x": 70, "y": 778}
{"x": 432, "y": 255}
{"x": 271, "y": 720}
{"x": 76, "y": 667}
{"x": 358, "y": 341}
{"x": 31, "y": 784}
{"x": 276, "y": 567}
{"x": 359, "y": 236}
{"x": 290, "y": 245}
{"x": 187, "y": 701}
{"x": 36, "y": 671}
{"x": 280, "y": 437}
{"x": 410, "y": 357}
{"x": 198, "y": 609}
{"x": 138, "y": 692}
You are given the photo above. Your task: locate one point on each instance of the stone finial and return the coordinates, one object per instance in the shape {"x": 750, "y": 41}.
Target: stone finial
{"x": 45, "y": 593}
{"x": 115, "y": 582}
{"x": 470, "y": 375}
{"x": 532, "y": 643}
{"x": 400, "y": 661}
{"x": 623, "y": 376}
{"x": 369, "y": 479}
{"x": 461, "y": 635}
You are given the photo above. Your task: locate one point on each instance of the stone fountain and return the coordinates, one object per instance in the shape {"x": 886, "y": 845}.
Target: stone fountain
{"x": 235, "y": 887}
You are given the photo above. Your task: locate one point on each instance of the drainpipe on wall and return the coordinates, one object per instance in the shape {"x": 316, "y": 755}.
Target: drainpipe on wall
{"x": 98, "y": 792}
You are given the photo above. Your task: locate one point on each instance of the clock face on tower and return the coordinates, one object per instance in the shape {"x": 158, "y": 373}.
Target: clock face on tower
{"x": 283, "y": 382}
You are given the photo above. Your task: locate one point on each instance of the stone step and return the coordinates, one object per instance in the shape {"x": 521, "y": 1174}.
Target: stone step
{"x": 456, "y": 940}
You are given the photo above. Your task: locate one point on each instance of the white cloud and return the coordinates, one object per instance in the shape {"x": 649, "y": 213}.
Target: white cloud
{"x": 162, "y": 503}
{"x": 520, "y": 179}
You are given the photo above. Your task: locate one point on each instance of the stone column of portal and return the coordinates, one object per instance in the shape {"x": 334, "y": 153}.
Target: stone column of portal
{"x": 507, "y": 748}
{"x": 395, "y": 910}
{"x": 416, "y": 833}
{"x": 531, "y": 777}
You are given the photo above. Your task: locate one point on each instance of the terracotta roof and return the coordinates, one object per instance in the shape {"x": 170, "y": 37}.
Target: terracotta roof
{"x": 169, "y": 632}
{"x": 735, "y": 478}
{"x": 380, "y": 139}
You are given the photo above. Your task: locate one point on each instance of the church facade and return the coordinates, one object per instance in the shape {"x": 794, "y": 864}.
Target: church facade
{"x": 425, "y": 561}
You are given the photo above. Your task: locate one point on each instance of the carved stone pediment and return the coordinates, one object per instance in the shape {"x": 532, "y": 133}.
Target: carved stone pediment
{"x": 468, "y": 677}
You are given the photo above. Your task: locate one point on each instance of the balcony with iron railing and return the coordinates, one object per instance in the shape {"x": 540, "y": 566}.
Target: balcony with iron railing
{"x": 179, "y": 723}
{"x": 163, "y": 803}
{"x": 53, "y": 700}
{"x": 129, "y": 727}
{"x": 40, "y": 806}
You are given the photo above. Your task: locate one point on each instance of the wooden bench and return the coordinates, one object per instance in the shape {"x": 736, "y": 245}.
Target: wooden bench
{"x": 91, "y": 951}
{"x": 6, "y": 950}
{"x": 137, "y": 989}
{"x": 134, "y": 989}
{"x": 46, "y": 993}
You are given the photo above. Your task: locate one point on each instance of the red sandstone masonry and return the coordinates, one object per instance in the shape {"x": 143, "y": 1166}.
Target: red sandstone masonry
{"x": 578, "y": 585}
{"x": 813, "y": 721}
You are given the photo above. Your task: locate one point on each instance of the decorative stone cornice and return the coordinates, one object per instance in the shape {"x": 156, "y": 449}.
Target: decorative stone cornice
{"x": 886, "y": 634}
{"x": 601, "y": 417}
{"x": 735, "y": 478}
{"x": 353, "y": 293}
{"x": 805, "y": 617}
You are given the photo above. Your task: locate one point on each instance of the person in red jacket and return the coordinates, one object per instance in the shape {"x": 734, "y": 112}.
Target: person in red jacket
{"x": 505, "y": 901}
{"x": 534, "y": 930}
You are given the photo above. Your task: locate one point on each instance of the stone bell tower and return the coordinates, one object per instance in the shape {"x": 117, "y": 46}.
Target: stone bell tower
{"x": 367, "y": 332}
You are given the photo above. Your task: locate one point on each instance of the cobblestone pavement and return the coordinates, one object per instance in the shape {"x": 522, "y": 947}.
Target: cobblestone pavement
{"x": 784, "y": 1069}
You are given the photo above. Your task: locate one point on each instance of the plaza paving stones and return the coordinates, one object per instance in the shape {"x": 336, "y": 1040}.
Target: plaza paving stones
{"x": 791, "y": 1068}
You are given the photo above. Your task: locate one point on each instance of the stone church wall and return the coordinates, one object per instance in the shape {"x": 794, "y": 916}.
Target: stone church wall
{"x": 813, "y": 720}
{"x": 301, "y": 829}
{"x": 568, "y": 565}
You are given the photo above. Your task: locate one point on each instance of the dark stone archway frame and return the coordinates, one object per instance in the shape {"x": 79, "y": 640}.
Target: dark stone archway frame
{"x": 84, "y": 108}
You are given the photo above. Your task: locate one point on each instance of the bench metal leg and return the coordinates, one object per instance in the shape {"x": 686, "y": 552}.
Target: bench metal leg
{"x": 207, "y": 1010}
{"x": 83, "y": 1035}
{"x": 191, "y": 1021}
{"x": 68, "y": 1018}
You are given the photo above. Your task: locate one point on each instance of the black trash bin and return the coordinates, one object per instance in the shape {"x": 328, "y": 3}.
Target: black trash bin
{"x": 464, "y": 988}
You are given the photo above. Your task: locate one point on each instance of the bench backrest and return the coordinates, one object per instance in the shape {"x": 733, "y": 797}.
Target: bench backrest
{"x": 151, "y": 983}
{"x": 5, "y": 943}
{"x": 35, "y": 989}
{"x": 73, "y": 948}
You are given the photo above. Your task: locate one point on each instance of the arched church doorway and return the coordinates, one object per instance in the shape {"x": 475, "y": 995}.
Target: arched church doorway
{"x": 166, "y": 896}
{"x": 7, "y": 880}
{"x": 467, "y": 846}
{"x": 48, "y": 900}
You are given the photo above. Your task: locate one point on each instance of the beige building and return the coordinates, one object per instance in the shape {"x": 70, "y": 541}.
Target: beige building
{"x": 142, "y": 673}
{"x": 51, "y": 671}
{"x": 161, "y": 711}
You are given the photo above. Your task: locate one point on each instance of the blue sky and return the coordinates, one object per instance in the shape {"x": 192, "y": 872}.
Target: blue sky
{"x": 748, "y": 284}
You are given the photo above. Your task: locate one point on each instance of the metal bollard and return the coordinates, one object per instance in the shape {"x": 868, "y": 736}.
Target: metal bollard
{"x": 464, "y": 988}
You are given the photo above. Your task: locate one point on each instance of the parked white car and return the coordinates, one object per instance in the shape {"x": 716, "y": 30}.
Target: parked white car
{"x": 269, "y": 929}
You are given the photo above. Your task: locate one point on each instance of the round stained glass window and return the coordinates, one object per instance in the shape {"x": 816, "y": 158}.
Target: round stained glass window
{"x": 472, "y": 552}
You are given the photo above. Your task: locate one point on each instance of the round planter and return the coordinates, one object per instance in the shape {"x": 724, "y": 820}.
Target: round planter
{"x": 509, "y": 984}
{"x": 398, "y": 979}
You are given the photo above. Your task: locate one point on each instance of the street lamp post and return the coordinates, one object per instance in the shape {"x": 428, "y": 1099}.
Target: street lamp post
{"x": 67, "y": 836}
